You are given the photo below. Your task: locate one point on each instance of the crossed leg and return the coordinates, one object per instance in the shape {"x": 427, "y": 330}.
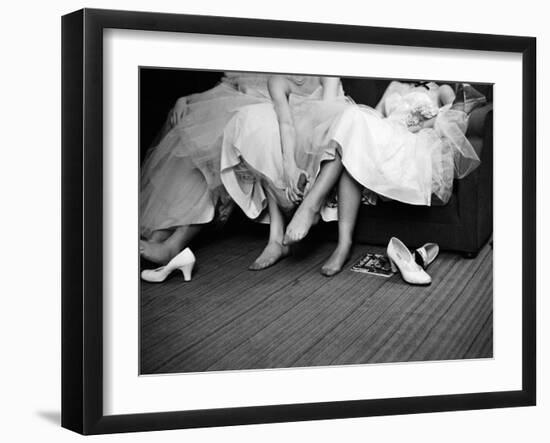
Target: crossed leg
{"x": 164, "y": 244}
{"x": 307, "y": 213}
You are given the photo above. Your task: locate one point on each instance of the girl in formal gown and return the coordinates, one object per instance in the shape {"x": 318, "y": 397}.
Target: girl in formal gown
{"x": 180, "y": 188}
{"x": 410, "y": 149}
{"x": 275, "y": 155}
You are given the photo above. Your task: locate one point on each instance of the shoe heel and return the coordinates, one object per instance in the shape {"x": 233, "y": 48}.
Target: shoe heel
{"x": 393, "y": 266}
{"x": 187, "y": 270}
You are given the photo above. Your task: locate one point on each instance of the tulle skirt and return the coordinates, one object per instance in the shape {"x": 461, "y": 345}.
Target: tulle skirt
{"x": 388, "y": 159}
{"x": 252, "y": 161}
{"x": 180, "y": 177}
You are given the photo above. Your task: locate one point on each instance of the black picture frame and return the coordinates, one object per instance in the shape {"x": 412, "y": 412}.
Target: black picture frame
{"x": 82, "y": 219}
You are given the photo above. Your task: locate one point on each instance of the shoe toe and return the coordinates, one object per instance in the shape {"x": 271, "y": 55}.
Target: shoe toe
{"x": 425, "y": 278}
{"x": 151, "y": 275}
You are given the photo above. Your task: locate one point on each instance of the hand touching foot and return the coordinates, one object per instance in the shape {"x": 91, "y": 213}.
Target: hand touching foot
{"x": 337, "y": 260}
{"x": 302, "y": 221}
{"x": 272, "y": 253}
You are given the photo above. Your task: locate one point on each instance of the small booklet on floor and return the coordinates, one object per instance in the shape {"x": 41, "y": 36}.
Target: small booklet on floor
{"x": 376, "y": 264}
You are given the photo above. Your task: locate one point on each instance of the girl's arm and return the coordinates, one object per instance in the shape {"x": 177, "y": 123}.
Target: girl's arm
{"x": 446, "y": 95}
{"x": 331, "y": 87}
{"x": 279, "y": 89}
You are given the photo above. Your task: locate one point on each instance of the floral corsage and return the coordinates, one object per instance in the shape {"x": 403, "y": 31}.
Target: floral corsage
{"x": 421, "y": 113}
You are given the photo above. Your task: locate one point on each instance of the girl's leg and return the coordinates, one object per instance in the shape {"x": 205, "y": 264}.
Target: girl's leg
{"x": 349, "y": 199}
{"x": 164, "y": 251}
{"x": 275, "y": 249}
{"x": 307, "y": 213}
{"x": 160, "y": 235}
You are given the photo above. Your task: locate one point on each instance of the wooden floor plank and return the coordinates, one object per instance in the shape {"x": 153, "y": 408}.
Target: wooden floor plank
{"x": 204, "y": 284}
{"x": 482, "y": 346}
{"x": 210, "y": 259}
{"x": 457, "y": 327}
{"x": 289, "y": 315}
{"x": 291, "y": 333}
{"x": 393, "y": 321}
{"x": 409, "y": 335}
{"x": 237, "y": 301}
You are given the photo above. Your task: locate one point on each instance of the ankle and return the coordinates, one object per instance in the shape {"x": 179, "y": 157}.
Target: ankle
{"x": 311, "y": 204}
{"x": 344, "y": 244}
{"x": 171, "y": 250}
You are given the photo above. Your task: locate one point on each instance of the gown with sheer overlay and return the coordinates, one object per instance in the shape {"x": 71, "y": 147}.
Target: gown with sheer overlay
{"x": 252, "y": 160}
{"x": 180, "y": 177}
{"x": 382, "y": 153}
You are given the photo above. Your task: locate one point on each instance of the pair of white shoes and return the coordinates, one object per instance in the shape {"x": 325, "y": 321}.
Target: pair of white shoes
{"x": 184, "y": 261}
{"x": 412, "y": 267}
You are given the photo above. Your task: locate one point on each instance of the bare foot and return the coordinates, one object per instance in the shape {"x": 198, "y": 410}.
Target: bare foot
{"x": 155, "y": 252}
{"x": 272, "y": 253}
{"x": 304, "y": 218}
{"x": 337, "y": 260}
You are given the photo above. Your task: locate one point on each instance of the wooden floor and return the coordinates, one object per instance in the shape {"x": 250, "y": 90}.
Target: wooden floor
{"x": 291, "y": 316}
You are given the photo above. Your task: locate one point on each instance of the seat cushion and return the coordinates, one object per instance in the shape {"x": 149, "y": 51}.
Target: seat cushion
{"x": 395, "y": 211}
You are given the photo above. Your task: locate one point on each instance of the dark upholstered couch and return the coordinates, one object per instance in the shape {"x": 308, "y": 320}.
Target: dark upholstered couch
{"x": 465, "y": 223}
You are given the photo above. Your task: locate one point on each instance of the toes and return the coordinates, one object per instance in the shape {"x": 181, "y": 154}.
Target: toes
{"x": 259, "y": 265}
{"x": 271, "y": 255}
{"x": 329, "y": 272}
{"x": 291, "y": 237}
{"x": 262, "y": 263}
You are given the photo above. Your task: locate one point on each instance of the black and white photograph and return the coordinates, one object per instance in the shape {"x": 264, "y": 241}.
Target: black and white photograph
{"x": 267, "y": 222}
{"x": 290, "y": 220}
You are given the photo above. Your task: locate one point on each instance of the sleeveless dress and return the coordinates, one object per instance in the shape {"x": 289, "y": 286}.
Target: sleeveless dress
{"x": 252, "y": 150}
{"x": 382, "y": 154}
{"x": 180, "y": 177}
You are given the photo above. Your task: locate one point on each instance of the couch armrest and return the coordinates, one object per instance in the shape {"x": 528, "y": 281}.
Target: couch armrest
{"x": 476, "y": 122}
{"x": 475, "y": 192}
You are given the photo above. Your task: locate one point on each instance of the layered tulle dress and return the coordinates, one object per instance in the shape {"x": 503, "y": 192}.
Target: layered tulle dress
{"x": 252, "y": 160}
{"x": 384, "y": 154}
{"x": 180, "y": 177}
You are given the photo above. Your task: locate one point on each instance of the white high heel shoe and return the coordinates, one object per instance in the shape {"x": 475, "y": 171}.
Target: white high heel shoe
{"x": 402, "y": 259}
{"x": 184, "y": 261}
{"x": 426, "y": 254}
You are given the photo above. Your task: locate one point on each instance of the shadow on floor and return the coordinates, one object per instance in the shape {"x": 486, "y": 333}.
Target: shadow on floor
{"x": 54, "y": 417}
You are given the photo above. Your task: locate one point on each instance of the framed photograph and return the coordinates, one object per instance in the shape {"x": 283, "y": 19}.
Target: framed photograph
{"x": 269, "y": 221}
